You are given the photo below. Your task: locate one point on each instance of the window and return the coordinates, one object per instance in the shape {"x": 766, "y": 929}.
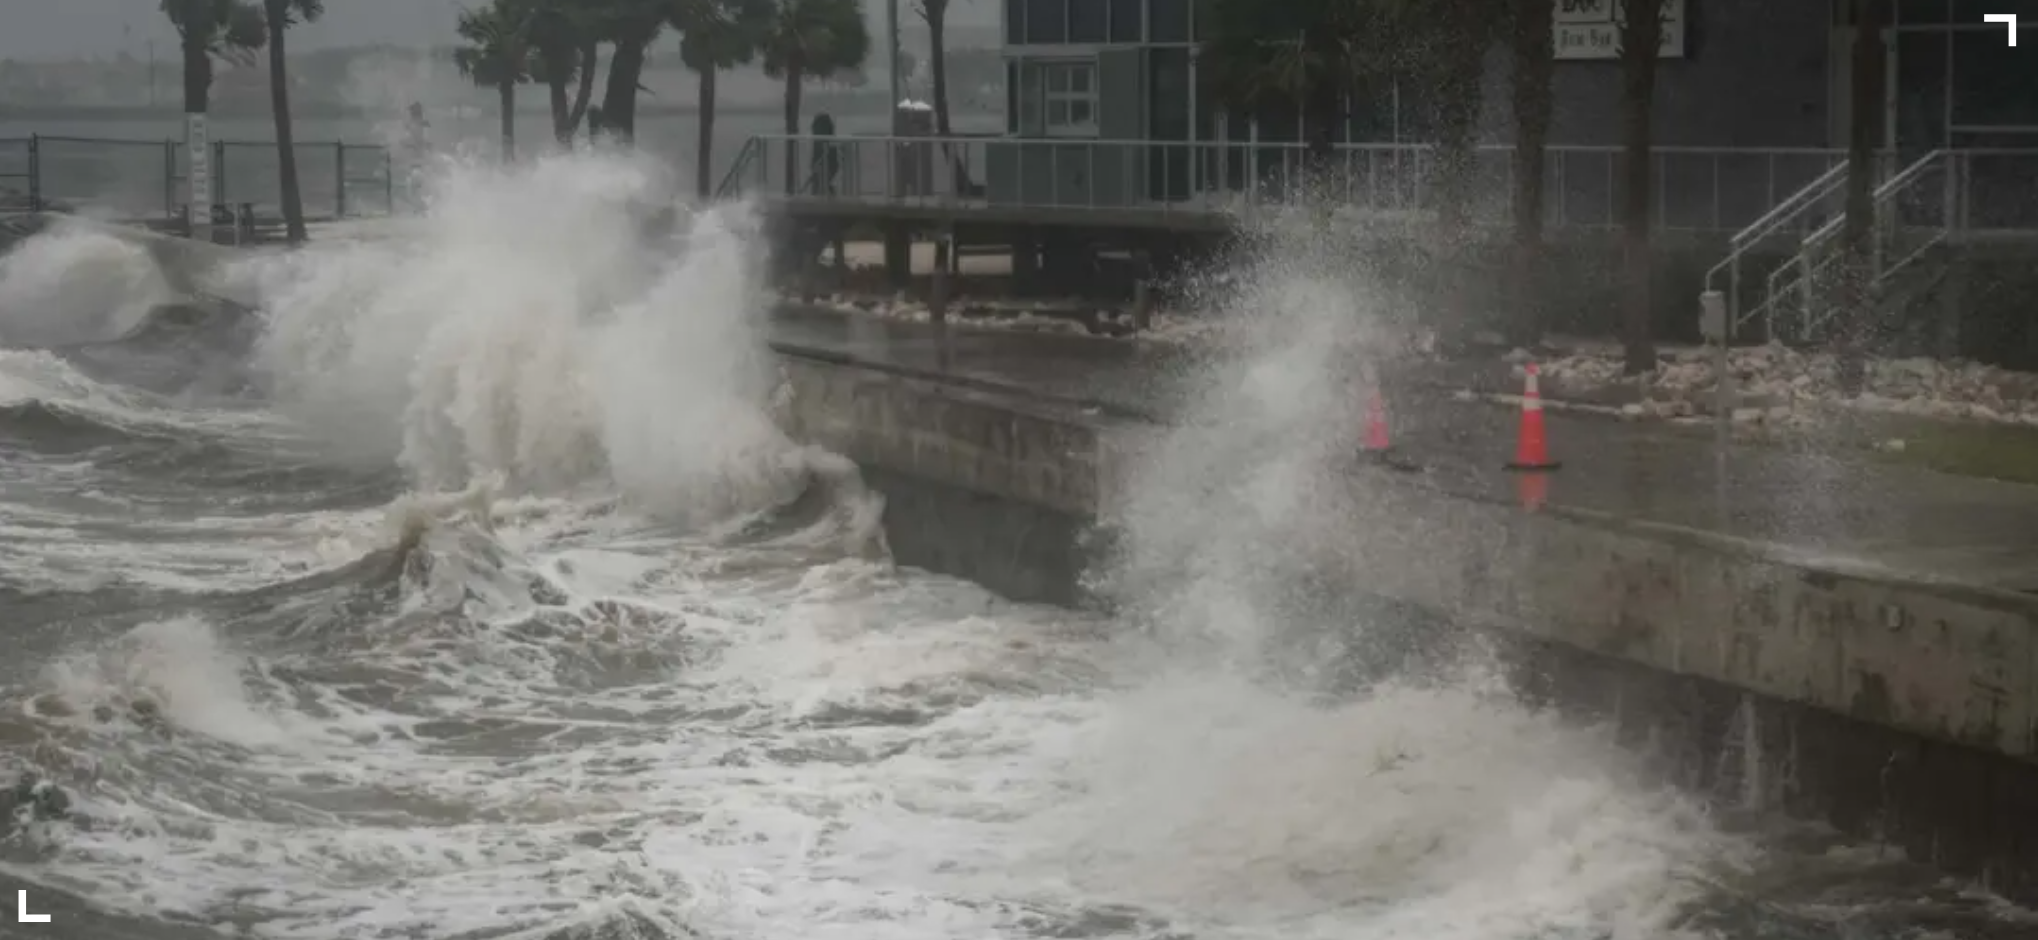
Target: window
{"x": 1089, "y": 22}
{"x": 1047, "y": 22}
{"x": 1170, "y": 21}
{"x": 1126, "y": 20}
{"x": 1070, "y": 98}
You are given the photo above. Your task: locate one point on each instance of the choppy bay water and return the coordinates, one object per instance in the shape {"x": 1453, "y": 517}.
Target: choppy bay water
{"x": 467, "y": 589}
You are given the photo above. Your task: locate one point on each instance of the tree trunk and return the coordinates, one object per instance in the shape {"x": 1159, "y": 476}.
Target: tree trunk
{"x": 1641, "y": 39}
{"x": 506, "y": 101}
{"x": 794, "y": 77}
{"x": 279, "y": 102}
{"x": 937, "y": 25}
{"x": 1856, "y": 297}
{"x": 704, "y": 158}
{"x": 198, "y": 194}
{"x": 562, "y": 106}
{"x": 1534, "y": 59}
{"x": 619, "y": 100}
{"x": 590, "y": 56}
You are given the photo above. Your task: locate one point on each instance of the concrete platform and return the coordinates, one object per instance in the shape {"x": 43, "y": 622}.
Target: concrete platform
{"x": 1838, "y": 513}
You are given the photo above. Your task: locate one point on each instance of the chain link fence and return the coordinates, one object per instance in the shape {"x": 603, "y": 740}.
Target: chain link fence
{"x": 145, "y": 179}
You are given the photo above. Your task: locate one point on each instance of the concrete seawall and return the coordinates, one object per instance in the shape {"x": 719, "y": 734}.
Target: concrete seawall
{"x": 1895, "y": 707}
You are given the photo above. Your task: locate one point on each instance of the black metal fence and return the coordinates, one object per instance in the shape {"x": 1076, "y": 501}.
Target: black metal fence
{"x": 145, "y": 179}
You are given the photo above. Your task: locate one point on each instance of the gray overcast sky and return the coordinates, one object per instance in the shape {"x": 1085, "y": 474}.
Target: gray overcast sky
{"x": 55, "y": 29}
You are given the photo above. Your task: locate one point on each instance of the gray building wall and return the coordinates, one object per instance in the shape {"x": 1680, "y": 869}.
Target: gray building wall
{"x": 1756, "y": 73}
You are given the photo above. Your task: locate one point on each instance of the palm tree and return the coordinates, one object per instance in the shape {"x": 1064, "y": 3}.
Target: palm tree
{"x": 565, "y": 52}
{"x": 208, "y": 29}
{"x": 811, "y": 39}
{"x": 1302, "y": 51}
{"x": 1641, "y": 38}
{"x": 1534, "y": 60}
{"x": 717, "y": 35}
{"x": 279, "y": 16}
{"x": 1857, "y": 269}
{"x": 630, "y": 26}
{"x": 935, "y": 13}
{"x": 498, "y": 56}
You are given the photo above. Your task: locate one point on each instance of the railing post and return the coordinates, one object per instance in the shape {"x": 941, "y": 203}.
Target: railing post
{"x": 340, "y": 180}
{"x": 219, "y": 191}
{"x": 388, "y": 181}
{"x": 35, "y": 172}
{"x": 169, "y": 179}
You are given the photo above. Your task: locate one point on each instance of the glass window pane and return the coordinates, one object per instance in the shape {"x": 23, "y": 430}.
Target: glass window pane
{"x": 1079, "y": 79}
{"x": 1079, "y": 112}
{"x": 1057, "y": 113}
{"x": 1086, "y": 20}
{"x": 1992, "y": 82}
{"x": 1015, "y": 22}
{"x": 1125, "y": 20}
{"x": 1170, "y": 21}
{"x": 1047, "y": 22}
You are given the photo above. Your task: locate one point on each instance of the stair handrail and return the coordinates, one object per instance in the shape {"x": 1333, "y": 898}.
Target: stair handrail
{"x": 732, "y": 181}
{"x": 1784, "y": 213}
{"x": 1795, "y": 275}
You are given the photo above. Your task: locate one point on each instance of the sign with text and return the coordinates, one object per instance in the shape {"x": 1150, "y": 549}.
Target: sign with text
{"x": 1590, "y": 29}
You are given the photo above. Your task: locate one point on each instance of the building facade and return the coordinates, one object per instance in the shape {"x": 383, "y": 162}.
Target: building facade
{"x": 1751, "y": 103}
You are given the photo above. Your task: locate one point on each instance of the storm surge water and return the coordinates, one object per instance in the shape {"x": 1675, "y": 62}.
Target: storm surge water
{"x": 488, "y": 600}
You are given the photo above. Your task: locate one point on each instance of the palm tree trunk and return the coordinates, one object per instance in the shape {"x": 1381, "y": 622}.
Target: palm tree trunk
{"x": 704, "y": 157}
{"x": 279, "y": 102}
{"x": 937, "y": 26}
{"x": 1534, "y": 60}
{"x": 1641, "y": 39}
{"x": 619, "y": 99}
{"x": 794, "y": 77}
{"x": 590, "y": 56}
{"x": 506, "y": 100}
{"x": 1857, "y": 270}
{"x": 198, "y": 193}
{"x": 562, "y": 106}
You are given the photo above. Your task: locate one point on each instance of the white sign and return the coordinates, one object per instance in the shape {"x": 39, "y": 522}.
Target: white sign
{"x": 21, "y": 914}
{"x": 1590, "y": 29}
{"x": 198, "y": 170}
{"x": 2007, "y": 19}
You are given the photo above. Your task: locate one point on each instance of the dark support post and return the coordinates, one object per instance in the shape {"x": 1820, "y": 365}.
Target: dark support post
{"x": 388, "y": 181}
{"x": 35, "y": 172}
{"x": 170, "y": 180}
{"x": 1025, "y": 262}
{"x": 937, "y": 295}
{"x": 339, "y": 180}
{"x": 898, "y": 256}
{"x": 218, "y": 179}
{"x": 1142, "y": 291}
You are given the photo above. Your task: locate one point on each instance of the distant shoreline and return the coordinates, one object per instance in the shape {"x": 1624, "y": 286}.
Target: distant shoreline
{"x": 863, "y": 103}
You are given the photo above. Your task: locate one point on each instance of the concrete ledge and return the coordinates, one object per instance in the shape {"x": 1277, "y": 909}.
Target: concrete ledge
{"x": 1891, "y": 705}
{"x": 1949, "y": 661}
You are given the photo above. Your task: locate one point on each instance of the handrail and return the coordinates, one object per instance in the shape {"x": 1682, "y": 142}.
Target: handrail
{"x": 1776, "y": 218}
{"x": 1798, "y": 275}
{"x": 1882, "y": 194}
{"x": 729, "y": 183}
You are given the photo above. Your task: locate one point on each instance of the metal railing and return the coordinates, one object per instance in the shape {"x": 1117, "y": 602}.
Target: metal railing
{"x": 1943, "y": 195}
{"x": 1913, "y": 211}
{"x": 144, "y": 179}
{"x": 1808, "y": 207}
{"x": 1710, "y": 190}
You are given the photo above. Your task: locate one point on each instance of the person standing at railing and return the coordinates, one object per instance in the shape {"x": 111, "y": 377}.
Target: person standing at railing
{"x": 821, "y": 180}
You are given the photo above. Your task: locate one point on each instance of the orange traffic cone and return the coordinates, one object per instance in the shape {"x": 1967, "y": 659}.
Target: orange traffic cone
{"x": 1377, "y": 441}
{"x": 1533, "y": 489}
{"x": 1532, "y": 450}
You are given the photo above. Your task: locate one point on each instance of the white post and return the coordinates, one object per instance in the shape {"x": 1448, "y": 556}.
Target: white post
{"x": 198, "y": 175}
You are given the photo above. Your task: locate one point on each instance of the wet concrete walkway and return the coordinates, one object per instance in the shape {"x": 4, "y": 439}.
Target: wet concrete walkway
{"x": 1835, "y": 511}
